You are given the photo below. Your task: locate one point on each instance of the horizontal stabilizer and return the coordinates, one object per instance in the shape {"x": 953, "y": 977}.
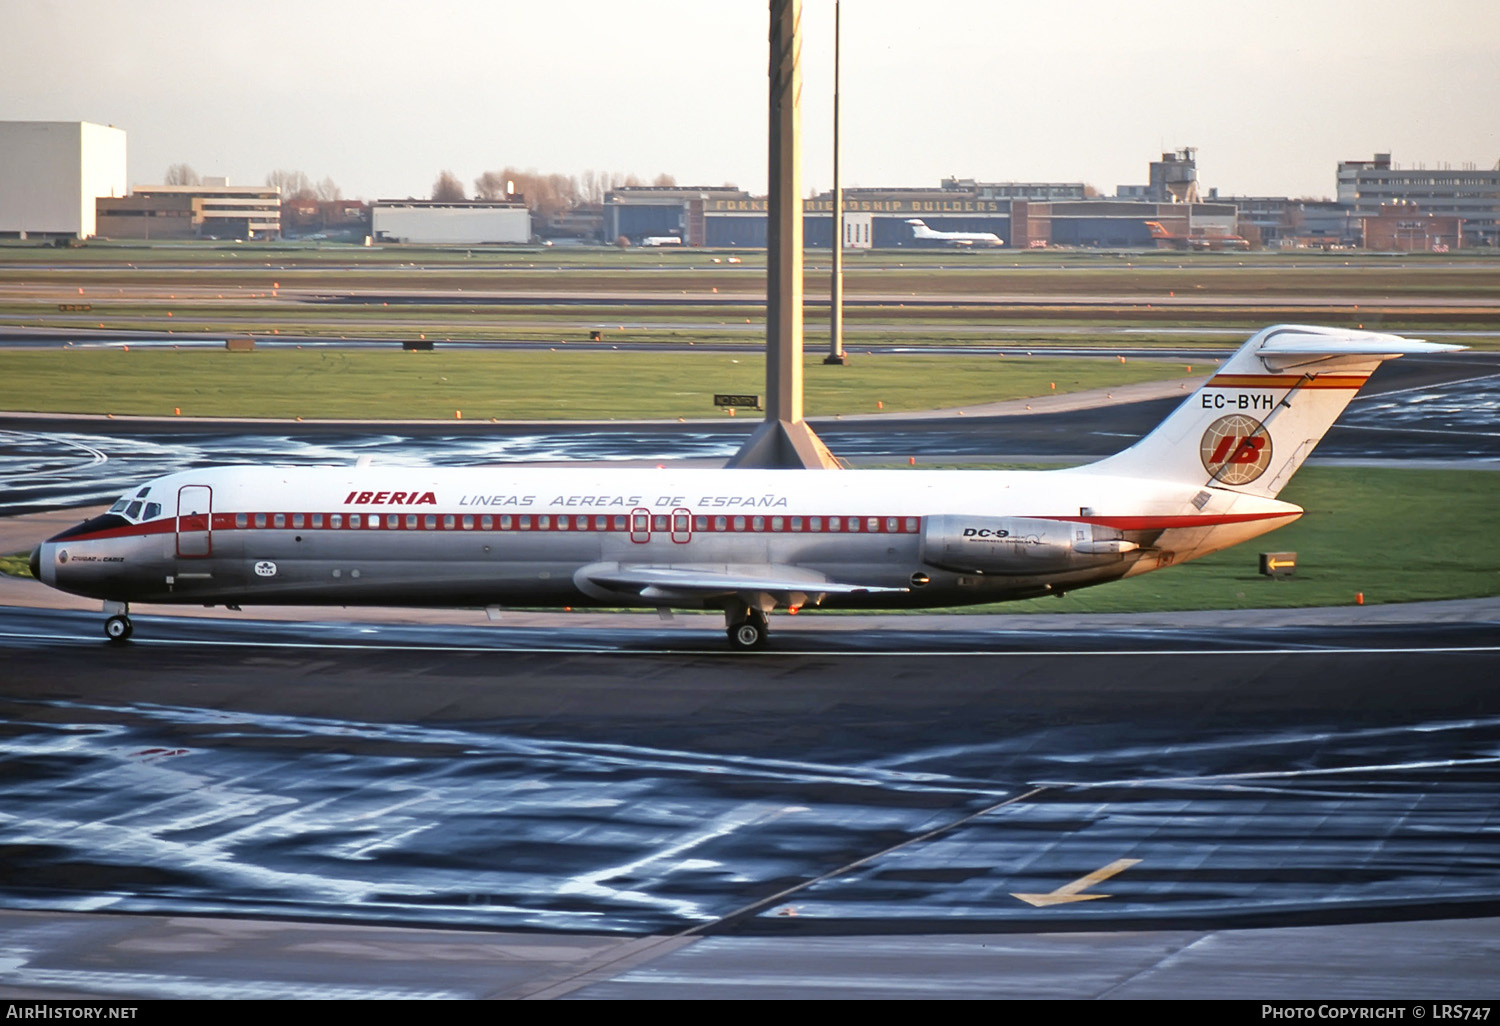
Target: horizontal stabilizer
{"x": 1294, "y": 346}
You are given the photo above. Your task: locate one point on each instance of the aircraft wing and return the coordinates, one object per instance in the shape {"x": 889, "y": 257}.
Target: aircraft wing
{"x": 705, "y": 581}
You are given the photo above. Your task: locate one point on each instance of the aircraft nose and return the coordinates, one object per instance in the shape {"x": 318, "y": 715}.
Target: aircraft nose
{"x": 36, "y": 562}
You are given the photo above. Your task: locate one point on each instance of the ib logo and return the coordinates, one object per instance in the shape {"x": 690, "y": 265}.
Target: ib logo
{"x": 1235, "y": 449}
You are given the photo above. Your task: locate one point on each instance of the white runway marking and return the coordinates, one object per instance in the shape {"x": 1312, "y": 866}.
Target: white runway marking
{"x": 725, "y": 653}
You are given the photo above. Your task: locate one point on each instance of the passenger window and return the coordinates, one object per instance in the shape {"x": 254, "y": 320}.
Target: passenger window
{"x": 526, "y": 523}
{"x": 911, "y": 525}
{"x": 335, "y": 520}
{"x": 298, "y": 520}
{"x": 619, "y": 522}
{"x": 279, "y": 520}
{"x": 758, "y": 524}
{"x": 469, "y": 523}
{"x": 392, "y": 521}
{"x": 700, "y": 523}
{"x": 720, "y": 523}
{"x": 486, "y": 522}
{"x": 658, "y": 523}
{"x": 562, "y": 522}
{"x": 777, "y": 523}
{"x": 429, "y": 522}
{"x": 505, "y": 522}
{"x": 260, "y": 520}
{"x": 816, "y": 524}
{"x": 411, "y": 521}
{"x": 448, "y": 522}
{"x": 317, "y": 520}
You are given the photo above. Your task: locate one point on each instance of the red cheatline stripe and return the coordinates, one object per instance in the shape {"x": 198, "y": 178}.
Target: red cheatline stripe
{"x": 1286, "y": 381}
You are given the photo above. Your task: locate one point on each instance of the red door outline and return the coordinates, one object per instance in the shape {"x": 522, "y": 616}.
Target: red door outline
{"x": 195, "y": 518}
{"x": 640, "y": 525}
{"x": 682, "y": 525}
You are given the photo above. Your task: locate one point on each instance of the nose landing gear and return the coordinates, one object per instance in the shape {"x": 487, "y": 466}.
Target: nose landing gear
{"x": 118, "y": 627}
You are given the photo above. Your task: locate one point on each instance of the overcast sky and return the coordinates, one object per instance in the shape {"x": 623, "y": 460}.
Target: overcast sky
{"x": 381, "y": 95}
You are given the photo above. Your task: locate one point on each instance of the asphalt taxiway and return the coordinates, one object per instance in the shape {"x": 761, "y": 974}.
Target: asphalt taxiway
{"x": 611, "y": 806}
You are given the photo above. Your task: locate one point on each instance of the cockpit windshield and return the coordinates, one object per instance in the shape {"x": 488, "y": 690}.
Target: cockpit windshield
{"x": 135, "y": 508}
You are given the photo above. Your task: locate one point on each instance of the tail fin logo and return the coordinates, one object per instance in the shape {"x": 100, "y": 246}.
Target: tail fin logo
{"x": 1236, "y": 449}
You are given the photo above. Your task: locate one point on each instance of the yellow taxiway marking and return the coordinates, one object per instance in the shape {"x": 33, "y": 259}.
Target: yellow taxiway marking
{"x": 1074, "y": 891}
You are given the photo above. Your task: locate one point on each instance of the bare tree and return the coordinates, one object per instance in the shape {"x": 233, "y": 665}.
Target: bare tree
{"x": 294, "y": 185}
{"x": 329, "y": 191}
{"x": 664, "y": 179}
{"x": 490, "y": 186}
{"x": 182, "y": 174}
{"x": 447, "y": 188}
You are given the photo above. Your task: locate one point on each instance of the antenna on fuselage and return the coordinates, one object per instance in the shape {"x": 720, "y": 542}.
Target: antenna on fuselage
{"x": 785, "y": 440}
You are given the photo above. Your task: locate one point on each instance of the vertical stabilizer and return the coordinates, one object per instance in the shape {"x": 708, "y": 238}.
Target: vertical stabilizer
{"x": 1256, "y": 420}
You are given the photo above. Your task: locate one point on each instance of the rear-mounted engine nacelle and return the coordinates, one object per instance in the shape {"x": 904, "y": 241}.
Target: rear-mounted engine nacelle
{"x": 1019, "y": 545}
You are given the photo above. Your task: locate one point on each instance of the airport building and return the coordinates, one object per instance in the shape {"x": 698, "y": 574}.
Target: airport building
{"x": 212, "y": 210}
{"x": 1023, "y": 215}
{"x": 1407, "y": 228}
{"x": 1468, "y": 193}
{"x": 457, "y": 222}
{"x": 51, "y": 174}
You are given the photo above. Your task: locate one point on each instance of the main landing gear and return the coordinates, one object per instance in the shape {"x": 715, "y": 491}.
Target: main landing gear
{"x": 747, "y": 630}
{"x": 118, "y": 627}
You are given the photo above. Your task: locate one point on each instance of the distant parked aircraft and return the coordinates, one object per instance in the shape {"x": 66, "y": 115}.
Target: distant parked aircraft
{"x": 1195, "y": 240}
{"x": 921, "y": 232}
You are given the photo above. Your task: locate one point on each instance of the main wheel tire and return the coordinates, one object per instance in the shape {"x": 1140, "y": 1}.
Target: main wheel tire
{"x": 746, "y": 636}
{"x": 118, "y": 628}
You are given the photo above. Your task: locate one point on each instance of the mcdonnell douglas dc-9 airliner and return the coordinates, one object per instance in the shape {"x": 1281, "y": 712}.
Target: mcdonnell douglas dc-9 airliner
{"x": 743, "y": 541}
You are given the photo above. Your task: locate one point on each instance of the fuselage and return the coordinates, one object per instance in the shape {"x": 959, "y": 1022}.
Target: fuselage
{"x": 502, "y": 536}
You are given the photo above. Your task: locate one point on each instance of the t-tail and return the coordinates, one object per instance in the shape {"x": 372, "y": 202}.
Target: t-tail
{"x": 1258, "y": 418}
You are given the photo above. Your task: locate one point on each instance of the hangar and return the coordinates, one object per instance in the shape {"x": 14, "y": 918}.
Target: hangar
{"x": 1023, "y": 214}
{"x": 460, "y": 222}
{"x": 51, "y": 174}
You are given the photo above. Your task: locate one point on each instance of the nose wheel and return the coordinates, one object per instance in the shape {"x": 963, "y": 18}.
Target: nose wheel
{"x": 118, "y": 629}
{"x": 748, "y": 633}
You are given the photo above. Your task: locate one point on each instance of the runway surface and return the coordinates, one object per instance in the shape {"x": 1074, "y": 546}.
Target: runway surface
{"x": 642, "y": 789}
{"x": 646, "y": 781}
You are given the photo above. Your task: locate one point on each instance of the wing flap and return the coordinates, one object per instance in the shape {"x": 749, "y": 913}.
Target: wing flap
{"x": 705, "y": 580}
